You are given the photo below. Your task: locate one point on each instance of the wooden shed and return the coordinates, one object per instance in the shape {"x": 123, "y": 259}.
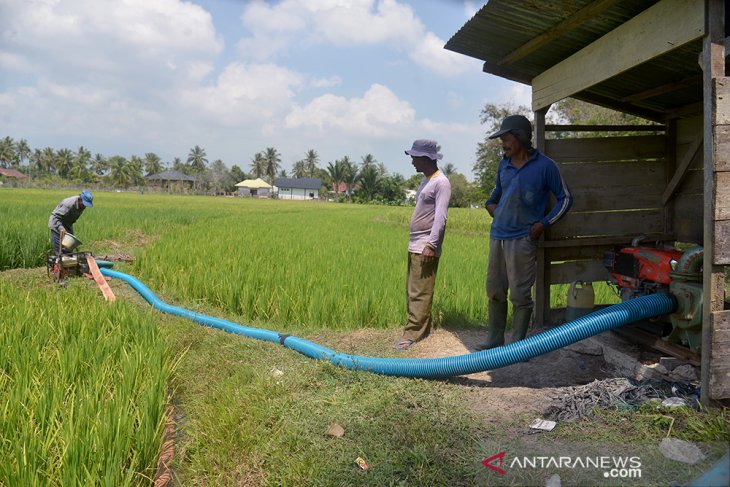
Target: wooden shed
{"x": 663, "y": 60}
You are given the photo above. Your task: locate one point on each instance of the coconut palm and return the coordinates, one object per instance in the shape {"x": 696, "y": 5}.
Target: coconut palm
{"x": 48, "y": 165}
{"x": 367, "y": 161}
{"x": 119, "y": 171}
{"x": 152, "y": 164}
{"x": 64, "y": 161}
{"x": 300, "y": 169}
{"x": 370, "y": 183}
{"x": 258, "y": 165}
{"x": 311, "y": 160}
{"x": 448, "y": 169}
{"x": 179, "y": 165}
{"x": 336, "y": 173}
{"x": 135, "y": 171}
{"x": 197, "y": 160}
{"x": 99, "y": 165}
{"x": 7, "y": 152}
{"x": 22, "y": 151}
{"x": 272, "y": 164}
{"x": 35, "y": 161}
{"x": 349, "y": 175}
{"x": 80, "y": 165}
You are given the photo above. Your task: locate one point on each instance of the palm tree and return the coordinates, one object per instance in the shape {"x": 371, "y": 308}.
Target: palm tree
{"x": 300, "y": 169}
{"x": 197, "y": 160}
{"x": 135, "y": 171}
{"x": 99, "y": 165}
{"x": 48, "y": 164}
{"x": 349, "y": 175}
{"x": 22, "y": 150}
{"x": 370, "y": 182}
{"x": 336, "y": 173}
{"x": 152, "y": 164}
{"x": 119, "y": 173}
{"x": 311, "y": 160}
{"x": 272, "y": 165}
{"x": 79, "y": 168}
{"x": 179, "y": 165}
{"x": 367, "y": 160}
{"x": 258, "y": 165}
{"x": 7, "y": 152}
{"x": 64, "y": 161}
{"x": 36, "y": 161}
{"x": 448, "y": 169}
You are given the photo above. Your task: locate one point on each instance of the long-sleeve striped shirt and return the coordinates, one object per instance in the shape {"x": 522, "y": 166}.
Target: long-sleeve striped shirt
{"x": 428, "y": 222}
{"x": 521, "y": 196}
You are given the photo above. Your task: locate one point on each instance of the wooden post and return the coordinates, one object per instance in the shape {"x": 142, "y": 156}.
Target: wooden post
{"x": 713, "y": 66}
{"x": 542, "y": 282}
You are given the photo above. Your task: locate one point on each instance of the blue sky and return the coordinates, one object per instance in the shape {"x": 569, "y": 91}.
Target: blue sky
{"x": 342, "y": 77}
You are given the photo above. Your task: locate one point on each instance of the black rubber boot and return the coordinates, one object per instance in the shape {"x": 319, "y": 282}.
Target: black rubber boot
{"x": 520, "y": 322}
{"x": 497, "y": 324}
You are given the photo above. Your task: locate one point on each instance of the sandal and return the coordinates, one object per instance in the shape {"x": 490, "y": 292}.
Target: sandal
{"x": 403, "y": 345}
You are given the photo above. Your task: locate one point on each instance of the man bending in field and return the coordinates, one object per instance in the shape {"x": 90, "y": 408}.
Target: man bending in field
{"x": 65, "y": 215}
{"x": 428, "y": 226}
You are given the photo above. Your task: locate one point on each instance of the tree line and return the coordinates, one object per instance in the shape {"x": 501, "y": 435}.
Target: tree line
{"x": 364, "y": 181}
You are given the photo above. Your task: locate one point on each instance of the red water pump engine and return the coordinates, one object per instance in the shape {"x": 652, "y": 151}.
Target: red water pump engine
{"x": 638, "y": 271}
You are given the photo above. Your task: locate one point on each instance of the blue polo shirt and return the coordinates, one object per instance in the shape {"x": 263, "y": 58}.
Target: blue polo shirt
{"x": 521, "y": 196}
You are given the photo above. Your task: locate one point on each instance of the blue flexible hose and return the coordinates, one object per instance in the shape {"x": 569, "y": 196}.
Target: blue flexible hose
{"x": 435, "y": 368}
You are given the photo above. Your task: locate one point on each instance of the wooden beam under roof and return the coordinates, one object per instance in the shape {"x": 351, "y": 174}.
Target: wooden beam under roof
{"x": 663, "y": 89}
{"x": 586, "y": 13}
{"x": 658, "y": 29}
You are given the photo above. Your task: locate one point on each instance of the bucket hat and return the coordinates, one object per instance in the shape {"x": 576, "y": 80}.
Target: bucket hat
{"x": 87, "y": 198}
{"x": 514, "y": 123}
{"x": 424, "y": 147}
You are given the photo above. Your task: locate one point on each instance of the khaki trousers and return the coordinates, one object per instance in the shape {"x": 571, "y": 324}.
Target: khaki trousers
{"x": 420, "y": 284}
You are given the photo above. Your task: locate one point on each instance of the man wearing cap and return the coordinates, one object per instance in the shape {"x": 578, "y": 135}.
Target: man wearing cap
{"x": 65, "y": 215}
{"x": 428, "y": 225}
{"x": 518, "y": 206}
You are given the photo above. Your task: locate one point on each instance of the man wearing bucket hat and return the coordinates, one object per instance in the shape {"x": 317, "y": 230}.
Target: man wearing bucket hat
{"x": 518, "y": 205}
{"x": 65, "y": 215}
{"x": 428, "y": 226}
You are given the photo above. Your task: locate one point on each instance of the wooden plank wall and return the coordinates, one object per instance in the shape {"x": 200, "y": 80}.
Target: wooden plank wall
{"x": 687, "y": 200}
{"x": 617, "y": 185}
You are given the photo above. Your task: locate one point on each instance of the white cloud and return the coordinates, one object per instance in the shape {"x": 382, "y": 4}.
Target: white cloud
{"x": 245, "y": 94}
{"x": 326, "y": 82}
{"x": 378, "y": 113}
{"x": 282, "y": 26}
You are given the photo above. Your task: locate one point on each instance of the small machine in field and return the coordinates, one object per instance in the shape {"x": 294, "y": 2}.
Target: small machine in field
{"x": 638, "y": 270}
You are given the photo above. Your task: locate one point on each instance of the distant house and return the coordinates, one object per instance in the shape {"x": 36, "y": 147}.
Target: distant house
{"x": 253, "y": 187}
{"x": 169, "y": 177}
{"x": 12, "y": 174}
{"x": 298, "y": 188}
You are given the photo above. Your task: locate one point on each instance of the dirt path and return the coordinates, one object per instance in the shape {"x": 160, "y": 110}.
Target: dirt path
{"x": 497, "y": 394}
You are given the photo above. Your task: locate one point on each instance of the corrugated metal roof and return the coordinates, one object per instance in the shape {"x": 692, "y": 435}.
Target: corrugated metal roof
{"x": 299, "y": 183}
{"x": 502, "y": 27}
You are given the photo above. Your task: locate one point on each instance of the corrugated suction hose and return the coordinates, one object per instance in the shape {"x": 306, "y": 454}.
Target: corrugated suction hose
{"x": 433, "y": 368}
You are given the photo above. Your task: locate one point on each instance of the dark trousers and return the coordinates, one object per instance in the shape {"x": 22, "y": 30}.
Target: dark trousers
{"x": 420, "y": 284}
{"x": 56, "y": 242}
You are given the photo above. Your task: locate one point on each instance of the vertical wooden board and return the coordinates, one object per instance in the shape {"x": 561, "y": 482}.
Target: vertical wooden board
{"x": 720, "y": 355}
{"x": 721, "y": 92}
{"x": 721, "y": 244}
{"x": 580, "y": 270}
{"x": 686, "y": 218}
{"x": 722, "y": 148}
{"x": 722, "y": 195}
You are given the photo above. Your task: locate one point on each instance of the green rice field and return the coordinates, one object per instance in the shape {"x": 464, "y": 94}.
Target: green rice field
{"x": 84, "y": 384}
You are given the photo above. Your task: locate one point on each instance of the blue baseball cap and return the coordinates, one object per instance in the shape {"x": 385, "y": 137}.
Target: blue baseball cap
{"x": 87, "y": 198}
